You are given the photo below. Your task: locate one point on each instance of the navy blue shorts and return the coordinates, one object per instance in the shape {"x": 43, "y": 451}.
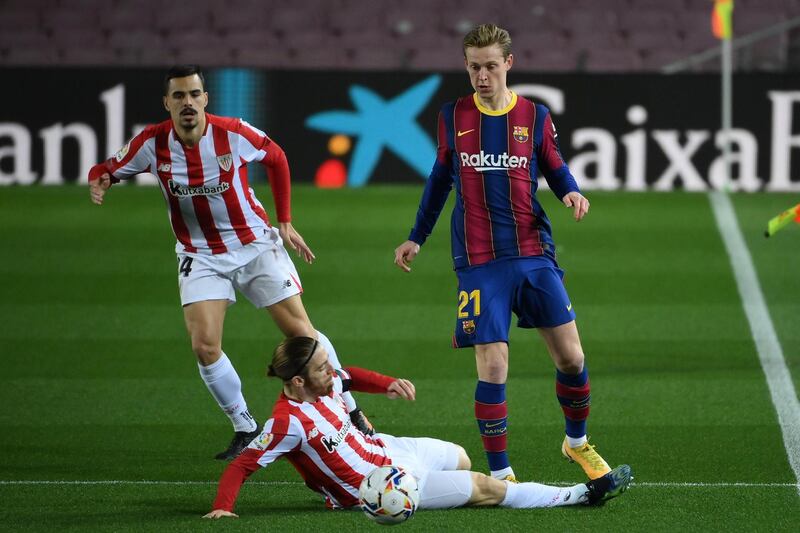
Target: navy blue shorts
{"x": 531, "y": 287}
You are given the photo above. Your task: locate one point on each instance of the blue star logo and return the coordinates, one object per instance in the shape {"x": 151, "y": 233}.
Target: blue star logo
{"x": 380, "y": 124}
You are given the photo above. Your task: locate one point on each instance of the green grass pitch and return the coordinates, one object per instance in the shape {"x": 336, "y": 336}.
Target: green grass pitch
{"x": 99, "y": 384}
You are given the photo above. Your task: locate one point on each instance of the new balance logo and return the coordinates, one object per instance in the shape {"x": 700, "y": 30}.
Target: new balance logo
{"x": 176, "y": 189}
{"x": 164, "y": 167}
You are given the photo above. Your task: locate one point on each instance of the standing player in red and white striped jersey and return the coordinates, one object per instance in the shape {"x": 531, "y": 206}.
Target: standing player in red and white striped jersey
{"x": 225, "y": 240}
{"x": 311, "y": 428}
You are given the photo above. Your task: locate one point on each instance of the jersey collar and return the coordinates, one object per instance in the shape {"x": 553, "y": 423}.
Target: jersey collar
{"x": 491, "y": 112}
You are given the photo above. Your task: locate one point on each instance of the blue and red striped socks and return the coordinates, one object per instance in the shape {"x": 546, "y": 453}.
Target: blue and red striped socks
{"x": 573, "y": 395}
{"x": 491, "y": 412}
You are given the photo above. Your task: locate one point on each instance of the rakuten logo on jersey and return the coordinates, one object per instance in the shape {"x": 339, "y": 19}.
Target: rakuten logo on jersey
{"x": 204, "y": 190}
{"x": 483, "y": 161}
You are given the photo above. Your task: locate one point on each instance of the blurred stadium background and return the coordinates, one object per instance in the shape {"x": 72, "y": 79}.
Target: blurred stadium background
{"x": 104, "y": 424}
{"x": 578, "y": 36}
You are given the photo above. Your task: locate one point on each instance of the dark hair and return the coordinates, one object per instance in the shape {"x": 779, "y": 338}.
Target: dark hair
{"x": 291, "y": 358}
{"x": 181, "y": 71}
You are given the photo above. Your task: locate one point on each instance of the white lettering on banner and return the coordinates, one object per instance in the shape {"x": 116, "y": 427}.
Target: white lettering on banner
{"x": 597, "y": 149}
{"x": 636, "y": 150}
{"x": 20, "y": 152}
{"x": 604, "y": 159}
{"x": 680, "y": 160}
{"x": 53, "y": 138}
{"x": 783, "y": 141}
{"x": 114, "y": 102}
{"x": 744, "y": 156}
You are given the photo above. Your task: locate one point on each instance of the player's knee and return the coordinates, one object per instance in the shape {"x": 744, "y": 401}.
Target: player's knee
{"x": 492, "y": 361}
{"x": 464, "y": 462}
{"x": 571, "y": 363}
{"x": 493, "y": 370}
{"x": 206, "y": 352}
{"x": 486, "y": 490}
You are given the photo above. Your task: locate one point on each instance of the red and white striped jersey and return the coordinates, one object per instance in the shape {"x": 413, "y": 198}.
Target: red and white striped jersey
{"x": 319, "y": 440}
{"x": 211, "y": 205}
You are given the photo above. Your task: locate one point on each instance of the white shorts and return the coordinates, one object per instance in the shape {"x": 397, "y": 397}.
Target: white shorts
{"x": 261, "y": 270}
{"x": 433, "y": 462}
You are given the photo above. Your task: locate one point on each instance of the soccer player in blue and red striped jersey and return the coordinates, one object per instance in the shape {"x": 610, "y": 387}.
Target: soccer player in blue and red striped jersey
{"x": 491, "y": 144}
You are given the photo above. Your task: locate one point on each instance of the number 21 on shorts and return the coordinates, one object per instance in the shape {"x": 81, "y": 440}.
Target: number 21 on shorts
{"x": 464, "y": 298}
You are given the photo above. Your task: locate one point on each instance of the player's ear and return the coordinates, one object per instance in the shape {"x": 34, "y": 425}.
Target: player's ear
{"x": 164, "y": 100}
{"x": 205, "y": 100}
{"x": 509, "y": 61}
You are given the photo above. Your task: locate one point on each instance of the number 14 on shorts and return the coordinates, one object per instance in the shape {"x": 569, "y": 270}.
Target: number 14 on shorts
{"x": 186, "y": 266}
{"x": 464, "y": 298}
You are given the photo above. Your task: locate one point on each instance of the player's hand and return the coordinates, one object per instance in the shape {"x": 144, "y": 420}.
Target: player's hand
{"x": 578, "y": 203}
{"x": 98, "y": 188}
{"x": 295, "y": 241}
{"x": 402, "y": 388}
{"x": 404, "y": 254}
{"x": 216, "y": 514}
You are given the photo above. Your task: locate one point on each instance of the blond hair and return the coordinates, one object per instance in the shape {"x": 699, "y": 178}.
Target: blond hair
{"x": 486, "y": 35}
{"x": 291, "y": 358}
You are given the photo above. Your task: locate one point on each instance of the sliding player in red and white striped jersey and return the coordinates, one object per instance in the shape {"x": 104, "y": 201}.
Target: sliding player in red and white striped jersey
{"x": 225, "y": 240}
{"x": 311, "y": 428}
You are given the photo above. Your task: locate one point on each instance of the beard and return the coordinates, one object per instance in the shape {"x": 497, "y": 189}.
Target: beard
{"x": 321, "y": 389}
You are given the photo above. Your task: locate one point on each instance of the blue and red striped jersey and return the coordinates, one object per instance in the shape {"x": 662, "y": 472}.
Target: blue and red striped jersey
{"x": 492, "y": 157}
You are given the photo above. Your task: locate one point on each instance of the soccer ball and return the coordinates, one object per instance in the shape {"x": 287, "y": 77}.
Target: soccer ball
{"x": 389, "y": 495}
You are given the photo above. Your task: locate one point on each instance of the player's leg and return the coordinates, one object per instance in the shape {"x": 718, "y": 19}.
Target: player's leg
{"x": 206, "y": 292}
{"x": 204, "y": 322}
{"x": 572, "y": 378}
{"x": 271, "y": 281}
{"x": 547, "y": 307}
{"x": 451, "y": 489}
{"x": 491, "y": 409}
{"x": 573, "y": 393}
{"x": 483, "y": 319}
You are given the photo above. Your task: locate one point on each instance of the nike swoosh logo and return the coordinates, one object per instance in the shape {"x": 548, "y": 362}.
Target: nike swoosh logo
{"x": 460, "y": 133}
{"x": 569, "y": 307}
{"x": 494, "y": 425}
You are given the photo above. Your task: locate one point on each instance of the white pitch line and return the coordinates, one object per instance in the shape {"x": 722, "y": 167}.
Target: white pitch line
{"x": 299, "y": 483}
{"x": 770, "y": 354}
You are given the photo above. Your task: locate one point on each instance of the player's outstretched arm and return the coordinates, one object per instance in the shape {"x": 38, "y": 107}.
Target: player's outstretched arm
{"x": 98, "y": 188}
{"x": 402, "y": 388}
{"x": 295, "y": 241}
{"x": 405, "y": 254}
{"x": 216, "y": 514}
{"x": 578, "y": 203}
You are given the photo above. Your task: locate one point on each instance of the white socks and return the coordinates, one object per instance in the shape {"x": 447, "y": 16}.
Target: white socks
{"x": 574, "y": 443}
{"x": 530, "y": 495}
{"x": 502, "y": 474}
{"x": 225, "y": 386}
{"x": 334, "y": 360}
